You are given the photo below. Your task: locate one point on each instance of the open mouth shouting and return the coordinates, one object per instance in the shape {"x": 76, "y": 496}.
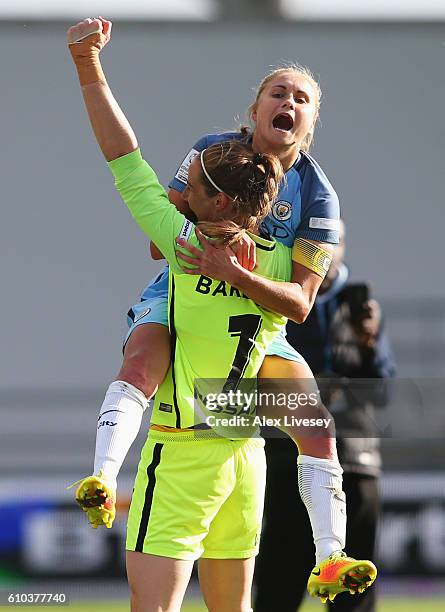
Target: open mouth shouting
{"x": 283, "y": 122}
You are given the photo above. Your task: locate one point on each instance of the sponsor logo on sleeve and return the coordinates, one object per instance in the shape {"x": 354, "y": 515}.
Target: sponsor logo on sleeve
{"x": 186, "y": 230}
{"x": 282, "y": 210}
{"x": 183, "y": 172}
{"x": 326, "y": 224}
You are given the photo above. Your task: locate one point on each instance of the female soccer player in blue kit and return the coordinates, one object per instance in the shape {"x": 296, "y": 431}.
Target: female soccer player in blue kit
{"x": 306, "y": 213}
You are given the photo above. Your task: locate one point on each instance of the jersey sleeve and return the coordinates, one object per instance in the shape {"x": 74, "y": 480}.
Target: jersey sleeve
{"x": 179, "y": 181}
{"x": 149, "y": 205}
{"x": 320, "y": 209}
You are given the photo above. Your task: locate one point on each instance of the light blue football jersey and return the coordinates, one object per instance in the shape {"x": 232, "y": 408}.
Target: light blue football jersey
{"x": 307, "y": 205}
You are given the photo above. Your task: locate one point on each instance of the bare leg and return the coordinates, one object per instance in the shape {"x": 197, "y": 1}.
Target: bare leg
{"x": 316, "y": 442}
{"x": 157, "y": 584}
{"x": 226, "y": 584}
{"x": 146, "y": 358}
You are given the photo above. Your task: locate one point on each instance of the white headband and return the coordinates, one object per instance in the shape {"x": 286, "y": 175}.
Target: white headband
{"x": 211, "y": 181}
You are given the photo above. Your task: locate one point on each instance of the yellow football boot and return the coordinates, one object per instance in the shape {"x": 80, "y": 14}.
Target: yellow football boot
{"x": 339, "y": 573}
{"x": 98, "y": 499}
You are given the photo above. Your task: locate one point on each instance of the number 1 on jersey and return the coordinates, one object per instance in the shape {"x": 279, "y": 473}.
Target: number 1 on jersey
{"x": 246, "y": 327}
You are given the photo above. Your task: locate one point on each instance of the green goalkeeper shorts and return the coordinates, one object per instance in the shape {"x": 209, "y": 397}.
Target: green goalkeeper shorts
{"x": 198, "y": 497}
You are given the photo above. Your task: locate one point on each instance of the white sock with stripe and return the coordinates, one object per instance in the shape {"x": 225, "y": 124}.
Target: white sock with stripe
{"x": 119, "y": 421}
{"x": 320, "y": 486}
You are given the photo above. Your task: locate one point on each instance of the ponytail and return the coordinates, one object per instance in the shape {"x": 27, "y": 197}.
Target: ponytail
{"x": 225, "y": 232}
{"x": 251, "y": 180}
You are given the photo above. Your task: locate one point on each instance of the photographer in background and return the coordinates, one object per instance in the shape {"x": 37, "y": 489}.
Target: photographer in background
{"x": 342, "y": 338}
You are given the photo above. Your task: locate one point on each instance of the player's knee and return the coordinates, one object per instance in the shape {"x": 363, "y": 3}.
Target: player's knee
{"x": 144, "y": 600}
{"x": 137, "y": 372}
{"x": 313, "y": 431}
{"x": 325, "y": 419}
{"x": 141, "y": 600}
{"x": 320, "y": 441}
{"x": 134, "y": 602}
{"x": 135, "y": 599}
{"x": 238, "y": 601}
{"x": 146, "y": 358}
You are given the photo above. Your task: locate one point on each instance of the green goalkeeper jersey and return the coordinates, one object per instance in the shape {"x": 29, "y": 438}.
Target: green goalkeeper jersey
{"x": 219, "y": 336}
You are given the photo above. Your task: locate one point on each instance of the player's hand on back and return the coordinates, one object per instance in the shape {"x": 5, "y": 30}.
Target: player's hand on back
{"x": 214, "y": 262}
{"x": 245, "y": 251}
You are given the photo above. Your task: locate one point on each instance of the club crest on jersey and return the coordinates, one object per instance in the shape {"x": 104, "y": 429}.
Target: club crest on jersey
{"x": 282, "y": 210}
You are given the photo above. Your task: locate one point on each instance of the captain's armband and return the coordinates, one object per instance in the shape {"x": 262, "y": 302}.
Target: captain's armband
{"x": 311, "y": 256}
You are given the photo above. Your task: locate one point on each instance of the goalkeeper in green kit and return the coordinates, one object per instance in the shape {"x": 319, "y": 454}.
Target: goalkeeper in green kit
{"x": 191, "y": 481}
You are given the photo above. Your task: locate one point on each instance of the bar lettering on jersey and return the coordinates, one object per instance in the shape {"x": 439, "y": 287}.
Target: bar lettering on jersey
{"x": 208, "y": 286}
{"x": 221, "y": 288}
{"x": 204, "y": 284}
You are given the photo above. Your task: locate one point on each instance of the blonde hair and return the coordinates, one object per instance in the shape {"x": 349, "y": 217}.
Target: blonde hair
{"x": 280, "y": 70}
{"x": 251, "y": 180}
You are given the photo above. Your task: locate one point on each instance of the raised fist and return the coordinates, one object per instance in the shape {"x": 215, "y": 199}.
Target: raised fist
{"x": 86, "y": 40}
{"x": 98, "y": 29}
